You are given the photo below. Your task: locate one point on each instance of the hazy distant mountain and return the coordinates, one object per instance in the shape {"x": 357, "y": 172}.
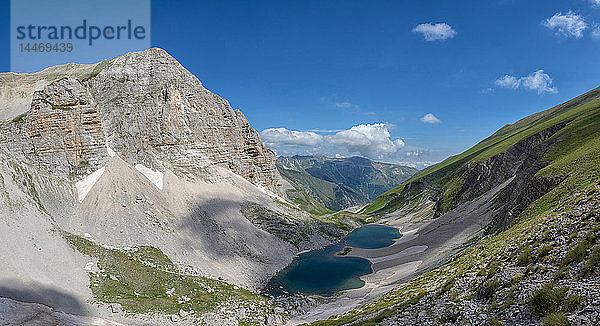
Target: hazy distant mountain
{"x": 338, "y": 183}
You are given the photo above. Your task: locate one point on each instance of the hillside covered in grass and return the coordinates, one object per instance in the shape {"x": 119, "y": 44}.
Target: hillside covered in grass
{"x": 539, "y": 263}
{"x": 551, "y": 140}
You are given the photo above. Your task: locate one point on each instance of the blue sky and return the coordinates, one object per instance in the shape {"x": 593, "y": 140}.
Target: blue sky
{"x": 326, "y": 67}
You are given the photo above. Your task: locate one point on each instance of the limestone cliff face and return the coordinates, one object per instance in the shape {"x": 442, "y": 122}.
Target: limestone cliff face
{"x": 16, "y": 90}
{"x": 65, "y": 130}
{"x": 157, "y": 113}
{"x": 148, "y": 109}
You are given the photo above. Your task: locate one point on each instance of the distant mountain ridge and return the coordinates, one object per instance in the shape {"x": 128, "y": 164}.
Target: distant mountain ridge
{"x": 338, "y": 183}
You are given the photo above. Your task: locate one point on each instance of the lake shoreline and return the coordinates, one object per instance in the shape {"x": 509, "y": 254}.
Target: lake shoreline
{"x": 376, "y": 283}
{"x": 333, "y": 269}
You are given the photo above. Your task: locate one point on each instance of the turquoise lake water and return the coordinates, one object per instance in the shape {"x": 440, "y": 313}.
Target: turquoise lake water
{"x": 322, "y": 272}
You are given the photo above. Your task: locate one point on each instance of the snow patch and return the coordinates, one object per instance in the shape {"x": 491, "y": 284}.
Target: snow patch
{"x": 85, "y": 185}
{"x": 261, "y": 188}
{"x": 156, "y": 177}
{"x": 110, "y": 152}
{"x": 88, "y": 266}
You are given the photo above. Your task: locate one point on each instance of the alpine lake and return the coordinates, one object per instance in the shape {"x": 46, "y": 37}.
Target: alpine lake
{"x": 327, "y": 270}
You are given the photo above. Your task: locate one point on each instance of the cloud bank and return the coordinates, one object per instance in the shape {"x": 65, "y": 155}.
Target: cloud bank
{"x": 370, "y": 140}
{"x": 282, "y": 136}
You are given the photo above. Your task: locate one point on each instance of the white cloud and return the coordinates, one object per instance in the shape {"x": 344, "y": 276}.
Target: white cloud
{"x": 413, "y": 153}
{"x": 569, "y": 24}
{"x": 508, "y": 81}
{"x": 370, "y": 140}
{"x": 537, "y": 81}
{"x": 324, "y": 130}
{"x": 434, "y": 32}
{"x": 283, "y": 136}
{"x": 346, "y": 105}
{"x": 595, "y": 2}
{"x": 430, "y": 118}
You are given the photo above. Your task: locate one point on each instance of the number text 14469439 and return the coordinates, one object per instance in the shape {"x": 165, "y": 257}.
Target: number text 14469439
{"x": 46, "y": 47}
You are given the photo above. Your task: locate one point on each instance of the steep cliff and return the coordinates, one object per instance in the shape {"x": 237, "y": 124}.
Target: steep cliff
{"x": 144, "y": 106}
{"x": 16, "y": 90}
{"x": 155, "y": 112}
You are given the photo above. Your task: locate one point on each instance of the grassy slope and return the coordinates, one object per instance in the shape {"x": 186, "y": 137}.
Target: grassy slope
{"x": 144, "y": 280}
{"x": 576, "y": 157}
{"x": 323, "y": 192}
{"x": 444, "y": 174}
{"x": 306, "y": 202}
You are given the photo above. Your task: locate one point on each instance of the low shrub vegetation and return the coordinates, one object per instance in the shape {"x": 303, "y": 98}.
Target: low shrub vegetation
{"x": 577, "y": 253}
{"x": 489, "y": 288}
{"x": 547, "y": 300}
{"x": 556, "y": 319}
{"x": 494, "y": 322}
{"x": 594, "y": 261}
{"x": 551, "y": 299}
{"x": 525, "y": 257}
{"x": 448, "y": 285}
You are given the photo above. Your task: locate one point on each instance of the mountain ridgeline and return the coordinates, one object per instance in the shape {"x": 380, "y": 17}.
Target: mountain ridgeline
{"x": 532, "y": 153}
{"x": 338, "y": 183}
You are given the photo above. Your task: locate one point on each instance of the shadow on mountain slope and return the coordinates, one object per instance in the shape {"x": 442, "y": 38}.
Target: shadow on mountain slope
{"x": 51, "y": 297}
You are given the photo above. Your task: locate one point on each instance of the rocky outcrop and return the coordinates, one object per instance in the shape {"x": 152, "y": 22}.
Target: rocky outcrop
{"x": 522, "y": 160}
{"x": 304, "y": 234}
{"x": 61, "y": 132}
{"x": 16, "y": 90}
{"x": 148, "y": 109}
{"x": 65, "y": 130}
{"x": 157, "y": 113}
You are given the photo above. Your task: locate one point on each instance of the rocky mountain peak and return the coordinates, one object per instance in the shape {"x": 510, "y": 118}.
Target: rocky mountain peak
{"x": 149, "y": 110}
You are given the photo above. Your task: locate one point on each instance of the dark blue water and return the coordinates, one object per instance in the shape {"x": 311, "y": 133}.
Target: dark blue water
{"x": 372, "y": 237}
{"x": 323, "y": 272}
